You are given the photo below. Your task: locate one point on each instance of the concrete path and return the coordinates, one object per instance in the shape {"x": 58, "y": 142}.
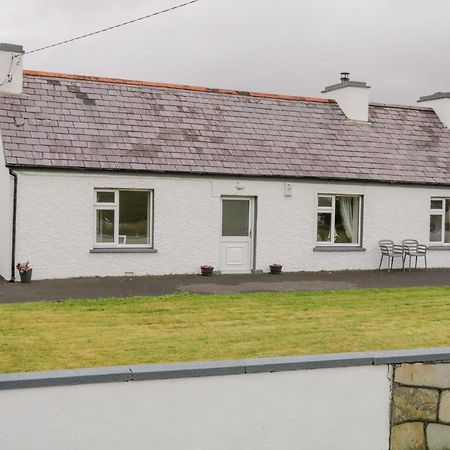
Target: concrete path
{"x": 76, "y": 288}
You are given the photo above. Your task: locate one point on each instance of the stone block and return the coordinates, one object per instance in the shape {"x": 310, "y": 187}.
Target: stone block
{"x": 444, "y": 407}
{"x": 408, "y": 436}
{"x": 411, "y": 404}
{"x": 438, "y": 436}
{"x": 419, "y": 374}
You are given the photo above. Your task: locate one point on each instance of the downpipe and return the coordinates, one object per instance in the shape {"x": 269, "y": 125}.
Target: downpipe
{"x": 14, "y": 227}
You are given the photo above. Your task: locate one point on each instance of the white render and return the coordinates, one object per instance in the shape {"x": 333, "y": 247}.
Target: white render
{"x": 11, "y": 72}
{"x": 353, "y": 100}
{"x": 339, "y": 409}
{"x": 441, "y": 107}
{"x": 55, "y": 228}
{"x": 5, "y": 217}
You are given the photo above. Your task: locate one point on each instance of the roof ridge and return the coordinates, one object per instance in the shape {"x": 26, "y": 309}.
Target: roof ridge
{"x": 175, "y": 86}
{"x": 396, "y": 106}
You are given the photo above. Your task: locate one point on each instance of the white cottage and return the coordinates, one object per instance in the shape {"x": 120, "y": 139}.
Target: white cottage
{"x": 106, "y": 177}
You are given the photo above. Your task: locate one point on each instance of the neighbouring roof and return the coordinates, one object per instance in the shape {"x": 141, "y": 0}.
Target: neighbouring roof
{"x": 76, "y": 122}
{"x": 435, "y": 96}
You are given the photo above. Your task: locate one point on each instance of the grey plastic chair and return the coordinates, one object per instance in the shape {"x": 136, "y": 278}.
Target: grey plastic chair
{"x": 413, "y": 249}
{"x": 391, "y": 251}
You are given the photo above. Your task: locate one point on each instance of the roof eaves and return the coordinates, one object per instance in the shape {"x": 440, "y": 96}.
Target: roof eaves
{"x": 321, "y": 177}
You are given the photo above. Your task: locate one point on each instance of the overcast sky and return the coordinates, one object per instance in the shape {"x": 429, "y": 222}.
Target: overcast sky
{"x": 400, "y": 47}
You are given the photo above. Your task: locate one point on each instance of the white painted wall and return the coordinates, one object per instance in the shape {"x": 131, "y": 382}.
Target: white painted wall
{"x": 339, "y": 409}
{"x": 56, "y": 223}
{"x": 354, "y": 101}
{"x": 5, "y": 217}
{"x": 441, "y": 107}
{"x": 11, "y": 72}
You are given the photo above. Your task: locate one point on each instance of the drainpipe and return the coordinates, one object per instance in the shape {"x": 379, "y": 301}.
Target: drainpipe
{"x": 14, "y": 222}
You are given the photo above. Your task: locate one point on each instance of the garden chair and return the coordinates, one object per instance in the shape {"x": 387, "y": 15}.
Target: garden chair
{"x": 391, "y": 251}
{"x": 413, "y": 249}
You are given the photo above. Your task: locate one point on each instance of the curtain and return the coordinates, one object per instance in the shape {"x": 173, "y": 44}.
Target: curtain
{"x": 349, "y": 207}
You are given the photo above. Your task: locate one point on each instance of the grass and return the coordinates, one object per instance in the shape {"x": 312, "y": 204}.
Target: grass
{"x": 186, "y": 327}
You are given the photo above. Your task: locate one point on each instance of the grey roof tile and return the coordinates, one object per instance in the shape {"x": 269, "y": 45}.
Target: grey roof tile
{"x": 161, "y": 129}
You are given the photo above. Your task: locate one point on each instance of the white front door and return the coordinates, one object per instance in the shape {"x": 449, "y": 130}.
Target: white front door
{"x": 237, "y": 229}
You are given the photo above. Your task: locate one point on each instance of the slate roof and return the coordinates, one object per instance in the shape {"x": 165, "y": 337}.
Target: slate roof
{"x": 74, "y": 122}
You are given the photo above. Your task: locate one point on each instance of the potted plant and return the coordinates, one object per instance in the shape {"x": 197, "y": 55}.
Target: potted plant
{"x": 207, "y": 270}
{"x": 25, "y": 272}
{"x": 275, "y": 268}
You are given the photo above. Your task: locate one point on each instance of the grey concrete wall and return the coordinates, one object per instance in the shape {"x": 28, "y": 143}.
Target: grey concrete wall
{"x": 333, "y": 408}
{"x": 367, "y": 401}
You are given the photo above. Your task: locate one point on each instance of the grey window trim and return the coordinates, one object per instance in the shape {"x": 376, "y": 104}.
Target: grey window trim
{"x": 338, "y": 248}
{"x": 123, "y": 250}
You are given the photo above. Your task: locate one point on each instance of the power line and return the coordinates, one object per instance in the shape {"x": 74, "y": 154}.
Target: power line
{"x": 112, "y": 27}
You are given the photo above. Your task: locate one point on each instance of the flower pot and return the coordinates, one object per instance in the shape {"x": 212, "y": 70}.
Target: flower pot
{"x": 206, "y": 271}
{"x": 275, "y": 269}
{"x": 25, "y": 277}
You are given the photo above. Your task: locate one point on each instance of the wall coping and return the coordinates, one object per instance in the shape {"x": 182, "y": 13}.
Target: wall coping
{"x": 24, "y": 380}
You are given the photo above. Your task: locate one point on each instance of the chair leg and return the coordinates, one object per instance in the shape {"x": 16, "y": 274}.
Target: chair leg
{"x": 392, "y": 263}
{"x": 381, "y": 262}
{"x": 415, "y": 267}
{"x": 410, "y": 263}
{"x": 425, "y": 257}
{"x": 403, "y": 262}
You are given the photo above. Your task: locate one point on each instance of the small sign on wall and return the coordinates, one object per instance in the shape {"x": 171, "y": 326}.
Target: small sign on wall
{"x": 288, "y": 189}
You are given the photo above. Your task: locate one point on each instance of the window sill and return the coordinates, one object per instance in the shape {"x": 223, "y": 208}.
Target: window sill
{"x": 439, "y": 247}
{"x": 337, "y": 248}
{"x": 123, "y": 250}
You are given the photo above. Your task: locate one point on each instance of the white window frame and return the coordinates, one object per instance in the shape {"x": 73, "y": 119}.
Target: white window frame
{"x": 114, "y": 206}
{"x": 332, "y": 209}
{"x": 441, "y": 213}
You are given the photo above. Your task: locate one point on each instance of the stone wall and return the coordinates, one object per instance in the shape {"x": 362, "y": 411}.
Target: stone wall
{"x": 420, "y": 411}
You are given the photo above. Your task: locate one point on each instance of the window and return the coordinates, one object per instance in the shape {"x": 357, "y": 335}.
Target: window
{"x": 235, "y": 217}
{"x": 440, "y": 220}
{"x": 339, "y": 220}
{"x": 123, "y": 218}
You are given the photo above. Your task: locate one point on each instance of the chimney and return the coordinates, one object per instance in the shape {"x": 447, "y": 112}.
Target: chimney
{"x": 11, "y": 68}
{"x": 440, "y": 102}
{"x": 351, "y": 96}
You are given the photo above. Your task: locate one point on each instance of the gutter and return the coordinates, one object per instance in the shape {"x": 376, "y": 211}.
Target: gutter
{"x": 275, "y": 178}
{"x": 14, "y": 227}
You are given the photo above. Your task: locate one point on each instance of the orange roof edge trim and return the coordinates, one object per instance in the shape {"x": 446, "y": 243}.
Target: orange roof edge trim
{"x": 174, "y": 86}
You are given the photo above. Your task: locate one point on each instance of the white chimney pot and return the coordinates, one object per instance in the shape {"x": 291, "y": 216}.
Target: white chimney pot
{"x": 11, "y": 68}
{"x": 352, "y": 97}
{"x": 440, "y": 102}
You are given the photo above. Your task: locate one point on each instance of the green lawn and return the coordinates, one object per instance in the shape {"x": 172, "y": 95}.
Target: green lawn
{"x": 186, "y": 327}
